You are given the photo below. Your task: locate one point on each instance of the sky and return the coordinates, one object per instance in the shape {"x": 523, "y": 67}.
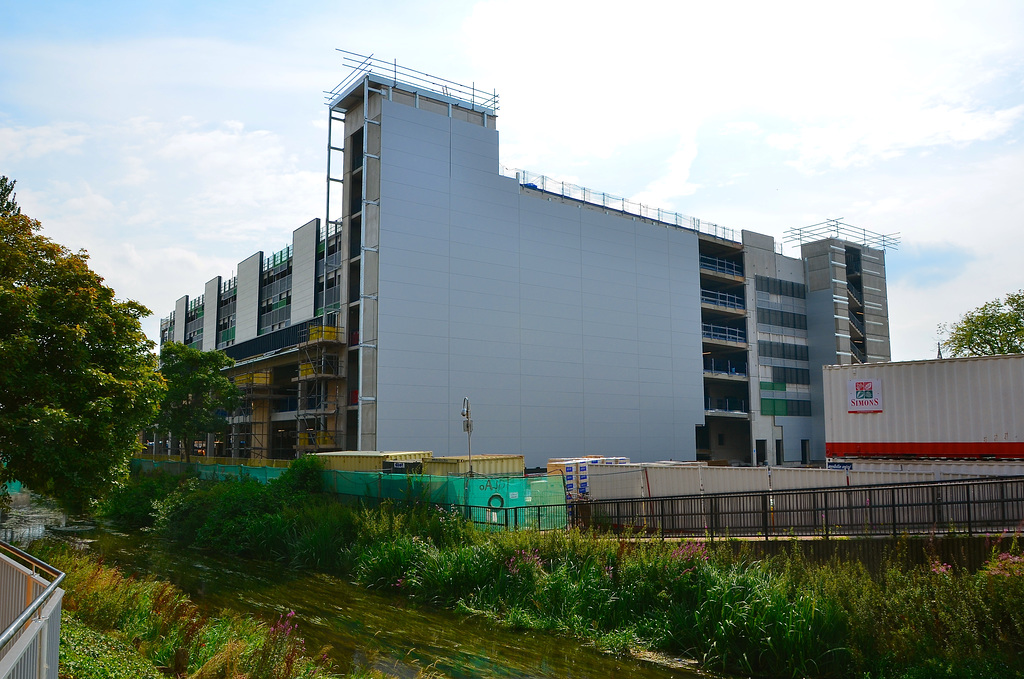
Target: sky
{"x": 171, "y": 140}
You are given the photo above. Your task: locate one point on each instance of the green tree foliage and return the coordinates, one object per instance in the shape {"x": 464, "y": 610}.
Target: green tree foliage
{"x": 996, "y": 327}
{"x": 78, "y": 377}
{"x": 198, "y": 394}
{"x": 8, "y": 206}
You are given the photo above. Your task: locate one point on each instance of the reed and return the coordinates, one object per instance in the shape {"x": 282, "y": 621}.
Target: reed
{"x": 167, "y": 629}
{"x": 783, "y": 616}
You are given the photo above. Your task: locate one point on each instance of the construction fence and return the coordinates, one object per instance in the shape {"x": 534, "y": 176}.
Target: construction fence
{"x": 971, "y": 507}
{"x": 498, "y": 502}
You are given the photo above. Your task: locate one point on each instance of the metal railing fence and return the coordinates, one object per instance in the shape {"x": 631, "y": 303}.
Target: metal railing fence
{"x": 721, "y": 265}
{"x": 725, "y": 299}
{"x": 29, "y": 615}
{"x": 539, "y": 182}
{"x": 725, "y": 366}
{"x": 960, "y": 507}
{"x": 723, "y": 333}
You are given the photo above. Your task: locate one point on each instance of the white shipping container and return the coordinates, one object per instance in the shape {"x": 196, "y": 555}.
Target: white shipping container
{"x": 942, "y": 470}
{"x": 616, "y": 482}
{"x": 965, "y": 408}
{"x": 668, "y": 481}
{"x": 786, "y": 478}
{"x": 734, "y": 479}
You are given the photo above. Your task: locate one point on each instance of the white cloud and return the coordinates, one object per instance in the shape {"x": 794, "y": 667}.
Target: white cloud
{"x": 21, "y": 143}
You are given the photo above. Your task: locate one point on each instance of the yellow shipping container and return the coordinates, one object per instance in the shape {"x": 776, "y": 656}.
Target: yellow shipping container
{"x": 487, "y": 465}
{"x": 370, "y": 460}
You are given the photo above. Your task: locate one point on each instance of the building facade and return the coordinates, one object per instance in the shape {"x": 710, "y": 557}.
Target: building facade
{"x": 576, "y": 323}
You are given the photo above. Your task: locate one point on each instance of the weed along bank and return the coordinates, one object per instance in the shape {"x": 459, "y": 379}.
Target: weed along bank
{"x": 797, "y": 613}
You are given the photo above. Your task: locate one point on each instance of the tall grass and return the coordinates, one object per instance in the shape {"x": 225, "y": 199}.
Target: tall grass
{"x": 167, "y": 628}
{"x": 778, "y": 617}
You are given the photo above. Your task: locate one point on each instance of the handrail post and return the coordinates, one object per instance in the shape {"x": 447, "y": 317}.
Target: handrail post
{"x": 894, "y": 511}
{"x": 970, "y": 531}
{"x": 765, "y": 502}
{"x": 824, "y": 515}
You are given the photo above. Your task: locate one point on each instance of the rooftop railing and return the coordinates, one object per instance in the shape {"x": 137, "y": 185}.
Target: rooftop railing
{"x": 362, "y": 65}
{"x": 539, "y": 182}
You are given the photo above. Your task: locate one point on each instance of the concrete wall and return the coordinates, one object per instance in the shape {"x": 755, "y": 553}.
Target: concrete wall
{"x": 876, "y": 305}
{"x": 247, "y": 305}
{"x": 571, "y": 330}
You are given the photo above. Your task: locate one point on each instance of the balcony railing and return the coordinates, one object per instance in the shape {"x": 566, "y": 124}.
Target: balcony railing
{"x": 858, "y": 353}
{"x": 857, "y": 323}
{"x": 855, "y": 293}
{"x": 721, "y": 366}
{"x": 723, "y": 333}
{"x": 722, "y": 299}
{"x": 721, "y": 265}
{"x": 726, "y": 405}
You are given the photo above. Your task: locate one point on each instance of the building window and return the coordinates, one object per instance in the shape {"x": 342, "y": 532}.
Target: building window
{"x": 793, "y": 352}
{"x": 785, "y": 319}
{"x": 790, "y": 375}
{"x": 775, "y": 286}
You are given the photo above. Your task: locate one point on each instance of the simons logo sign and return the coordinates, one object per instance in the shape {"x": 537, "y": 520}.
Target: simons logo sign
{"x": 864, "y": 396}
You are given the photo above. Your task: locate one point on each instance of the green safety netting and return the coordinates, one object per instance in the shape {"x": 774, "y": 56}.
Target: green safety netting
{"x": 498, "y": 502}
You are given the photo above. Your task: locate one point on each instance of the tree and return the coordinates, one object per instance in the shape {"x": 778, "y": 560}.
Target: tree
{"x": 8, "y": 205}
{"x": 78, "y": 377}
{"x": 197, "y": 392}
{"x": 996, "y": 327}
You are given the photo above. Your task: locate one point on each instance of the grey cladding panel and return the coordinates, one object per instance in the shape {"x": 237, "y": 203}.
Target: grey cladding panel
{"x": 247, "y": 307}
{"x": 211, "y": 302}
{"x": 180, "y": 311}
{"x": 532, "y": 311}
{"x": 304, "y": 242}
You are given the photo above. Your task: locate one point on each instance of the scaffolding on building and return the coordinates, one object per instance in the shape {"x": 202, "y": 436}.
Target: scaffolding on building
{"x": 320, "y": 415}
{"x": 250, "y": 433}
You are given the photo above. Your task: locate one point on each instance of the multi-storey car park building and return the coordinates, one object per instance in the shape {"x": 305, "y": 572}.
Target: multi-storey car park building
{"x": 577, "y": 323}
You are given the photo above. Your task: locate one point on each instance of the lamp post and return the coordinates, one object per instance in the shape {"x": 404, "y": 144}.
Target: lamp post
{"x": 467, "y": 426}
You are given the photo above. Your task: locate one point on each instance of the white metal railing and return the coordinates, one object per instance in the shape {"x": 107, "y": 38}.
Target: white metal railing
{"x": 29, "y": 614}
{"x": 532, "y": 180}
{"x": 361, "y": 65}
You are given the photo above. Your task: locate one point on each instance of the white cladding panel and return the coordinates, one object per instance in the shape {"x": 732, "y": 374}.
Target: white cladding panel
{"x": 573, "y": 332}
{"x": 951, "y": 400}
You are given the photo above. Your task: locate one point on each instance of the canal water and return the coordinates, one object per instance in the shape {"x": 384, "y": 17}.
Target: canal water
{"x": 363, "y": 628}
